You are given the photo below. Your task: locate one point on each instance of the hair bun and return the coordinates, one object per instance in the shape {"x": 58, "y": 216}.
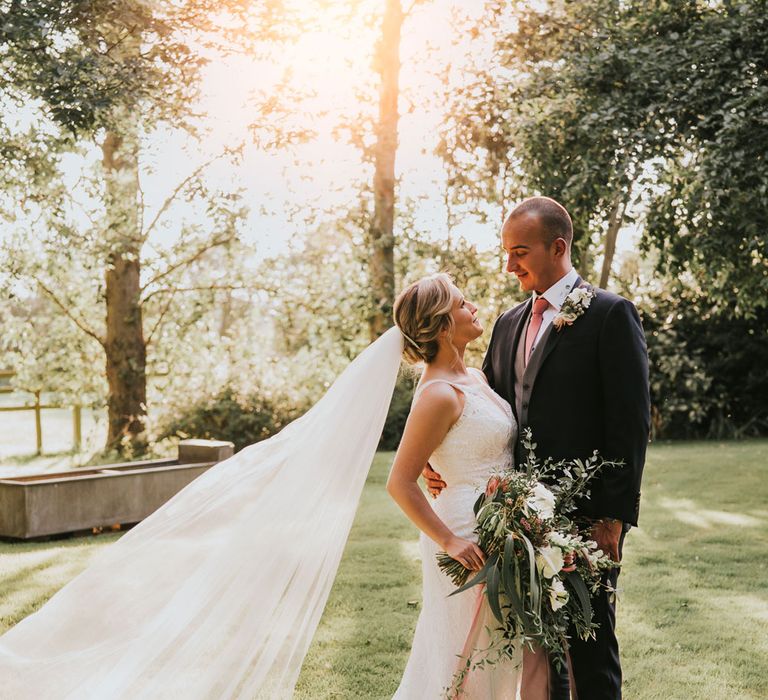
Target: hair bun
{"x": 422, "y": 311}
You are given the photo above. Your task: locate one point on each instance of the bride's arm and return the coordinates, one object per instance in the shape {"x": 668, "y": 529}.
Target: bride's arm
{"x": 432, "y": 416}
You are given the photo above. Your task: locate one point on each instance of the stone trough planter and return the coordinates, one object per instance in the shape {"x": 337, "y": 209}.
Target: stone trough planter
{"x": 40, "y": 505}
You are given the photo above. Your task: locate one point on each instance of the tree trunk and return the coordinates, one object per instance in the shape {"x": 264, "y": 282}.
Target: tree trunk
{"x": 226, "y": 315}
{"x": 614, "y": 224}
{"x": 126, "y": 355}
{"x": 382, "y": 265}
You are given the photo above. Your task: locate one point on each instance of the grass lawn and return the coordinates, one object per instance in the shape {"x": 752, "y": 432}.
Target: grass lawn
{"x": 693, "y": 610}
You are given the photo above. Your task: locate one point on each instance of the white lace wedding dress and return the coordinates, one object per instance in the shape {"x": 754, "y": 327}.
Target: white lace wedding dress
{"x": 476, "y": 446}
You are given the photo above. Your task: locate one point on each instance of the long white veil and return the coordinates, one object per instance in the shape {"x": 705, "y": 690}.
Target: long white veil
{"x": 218, "y": 593}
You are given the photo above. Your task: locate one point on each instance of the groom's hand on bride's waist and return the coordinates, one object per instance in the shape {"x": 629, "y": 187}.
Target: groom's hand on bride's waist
{"x": 435, "y": 483}
{"x": 607, "y": 533}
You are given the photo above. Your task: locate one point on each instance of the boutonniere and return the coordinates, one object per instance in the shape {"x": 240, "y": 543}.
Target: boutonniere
{"x": 575, "y": 304}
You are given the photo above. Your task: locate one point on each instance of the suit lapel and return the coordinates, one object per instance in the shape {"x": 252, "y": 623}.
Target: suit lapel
{"x": 554, "y": 334}
{"x": 515, "y": 331}
{"x": 518, "y": 324}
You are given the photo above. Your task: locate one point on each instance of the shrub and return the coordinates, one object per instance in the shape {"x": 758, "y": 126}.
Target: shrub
{"x": 398, "y": 411}
{"x": 245, "y": 419}
{"x": 241, "y": 419}
{"x": 709, "y": 369}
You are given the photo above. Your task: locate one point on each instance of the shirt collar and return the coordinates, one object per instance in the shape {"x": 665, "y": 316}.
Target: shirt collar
{"x": 556, "y": 294}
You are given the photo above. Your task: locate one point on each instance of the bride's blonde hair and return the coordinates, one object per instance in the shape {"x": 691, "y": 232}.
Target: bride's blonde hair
{"x": 422, "y": 310}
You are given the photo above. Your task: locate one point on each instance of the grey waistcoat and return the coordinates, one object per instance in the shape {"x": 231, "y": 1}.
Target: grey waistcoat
{"x": 525, "y": 375}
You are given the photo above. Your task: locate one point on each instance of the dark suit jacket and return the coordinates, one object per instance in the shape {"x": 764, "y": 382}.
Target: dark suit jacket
{"x": 590, "y": 393}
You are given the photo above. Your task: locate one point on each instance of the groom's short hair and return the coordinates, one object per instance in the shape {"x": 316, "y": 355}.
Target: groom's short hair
{"x": 555, "y": 220}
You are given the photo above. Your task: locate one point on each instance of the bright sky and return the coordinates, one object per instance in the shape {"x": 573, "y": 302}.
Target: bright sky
{"x": 334, "y": 61}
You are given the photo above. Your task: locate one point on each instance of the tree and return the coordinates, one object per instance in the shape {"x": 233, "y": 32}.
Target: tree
{"x": 111, "y": 71}
{"x": 709, "y": 219}
{"x": 622, "y": 109}
{"x": 387, "y": 64}
{"x": 382, "y": 241}
{"x": 317, "y": 301}
{"x": 705, "y": 382}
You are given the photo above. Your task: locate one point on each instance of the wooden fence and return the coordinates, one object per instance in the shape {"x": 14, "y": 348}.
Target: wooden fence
{"x": 38, "y": 408}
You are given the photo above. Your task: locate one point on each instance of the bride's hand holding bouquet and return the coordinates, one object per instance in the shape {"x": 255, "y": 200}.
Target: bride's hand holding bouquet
{"x": 541, "y": 564}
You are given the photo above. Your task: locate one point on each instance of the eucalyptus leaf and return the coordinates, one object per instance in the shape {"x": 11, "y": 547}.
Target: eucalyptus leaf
{"x": 493, "y": 591}
{"x": 578, "y": 586}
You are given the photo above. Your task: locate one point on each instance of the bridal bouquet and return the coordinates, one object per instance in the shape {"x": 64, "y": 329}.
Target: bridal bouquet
{"x": 541, "y": 564}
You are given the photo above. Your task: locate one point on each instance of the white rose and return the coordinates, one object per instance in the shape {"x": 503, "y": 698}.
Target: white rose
{"x": 594, "y": 556}
{"x": 549, "y": 561}
{"x": 581, "y": 296}
{"x": 542, "y": 501}
{"x": 558, "y": 540}
{"x": 558, "y": 596}
{"x": 574, "y": 296}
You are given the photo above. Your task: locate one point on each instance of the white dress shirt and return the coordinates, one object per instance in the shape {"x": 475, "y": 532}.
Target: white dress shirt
{"x": 555, "y": 295}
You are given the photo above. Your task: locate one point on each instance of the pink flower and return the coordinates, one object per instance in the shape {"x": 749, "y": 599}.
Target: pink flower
{"x": 493, "y": 485}
{"x": 569, "y": 562}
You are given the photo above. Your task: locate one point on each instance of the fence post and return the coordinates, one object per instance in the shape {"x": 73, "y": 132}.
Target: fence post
{"x": 77, "y": 427}
{"x": 38, "y": 425}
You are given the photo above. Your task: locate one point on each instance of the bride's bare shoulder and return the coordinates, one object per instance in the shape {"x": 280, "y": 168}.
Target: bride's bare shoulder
{"x": 438, "y": 396}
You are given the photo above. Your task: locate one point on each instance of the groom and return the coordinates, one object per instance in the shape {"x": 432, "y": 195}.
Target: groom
{"x": 580, "y": 384}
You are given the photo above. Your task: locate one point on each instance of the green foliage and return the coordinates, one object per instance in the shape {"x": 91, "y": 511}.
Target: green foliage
{"x": 54, "y": 326}
{"x": 707, "y": 377}
{"x": 398, "y": 411}
{"x": 51, "y": 355}
{"x": 654, "y": 114}
{"x": 651, "y": 111}
{"x": 707, "y": 373}
{"x": 88, "y": 63}
{"x": 109, "y": 72}
{"x": 318, "y": 291}
{"x": 246, "y": 419}
{"x": 711, "y": 215}
{"x": 243, "y": 420}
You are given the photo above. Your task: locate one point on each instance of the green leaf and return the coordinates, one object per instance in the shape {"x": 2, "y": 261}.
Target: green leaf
{"x": 492, "y": 591}
{"x": 582, "y": 593}
{"x": 533, "y": 580}
{"x": 478, "y": 504}
{"x": 510, "y": 578}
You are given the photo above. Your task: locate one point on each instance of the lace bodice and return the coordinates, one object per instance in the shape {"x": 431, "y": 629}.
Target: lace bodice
{"x": 480, "y": 441}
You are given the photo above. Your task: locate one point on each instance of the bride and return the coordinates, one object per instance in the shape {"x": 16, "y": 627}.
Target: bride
{"x": 467, "y": 432}
{"x": 218, "y": 593}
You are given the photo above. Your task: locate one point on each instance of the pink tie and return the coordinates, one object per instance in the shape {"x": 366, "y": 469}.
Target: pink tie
{"x": 539, "y": 307}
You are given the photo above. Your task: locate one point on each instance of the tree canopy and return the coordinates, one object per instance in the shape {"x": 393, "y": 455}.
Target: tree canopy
{"x": 634, "y": 112}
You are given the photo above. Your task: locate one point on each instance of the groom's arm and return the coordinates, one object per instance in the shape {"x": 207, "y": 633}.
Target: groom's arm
{"x": 626, "y": 403}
